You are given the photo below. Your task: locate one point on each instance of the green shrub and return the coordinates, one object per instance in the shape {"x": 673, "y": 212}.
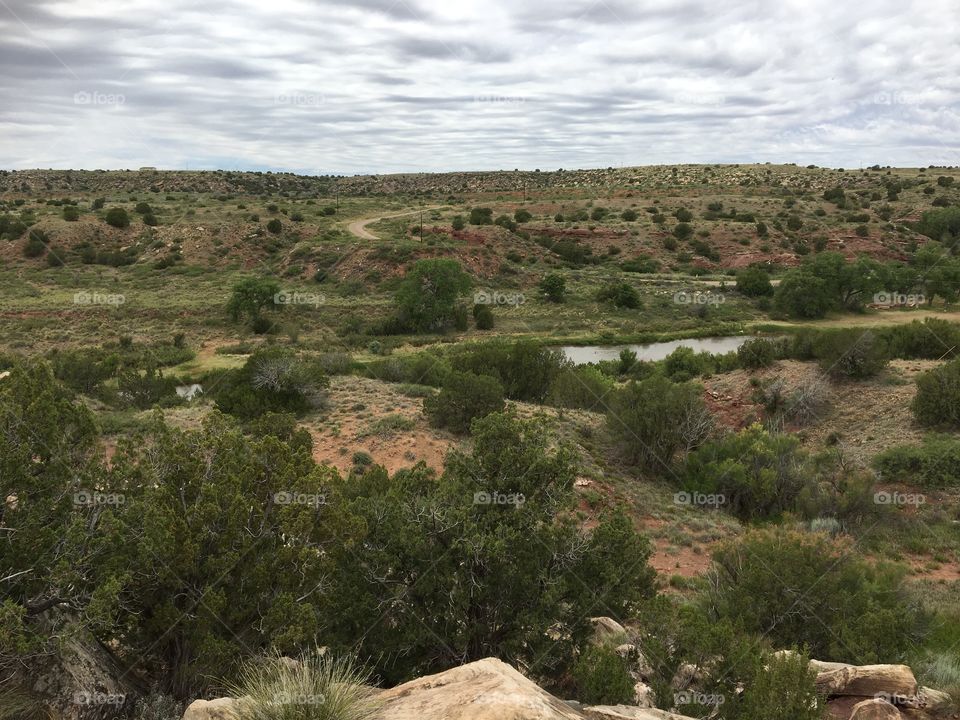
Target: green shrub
{"x": 685, "y": 364}
{"x": 34, "y": 247}
{"x": 318, "y": 687}
{"x": 581, "y": 386}
{"x": 554, "y": 286}
{"x": 851, "y": 353}
{"x": 275, "y": 226}
{"x": 481, "y": 216}
{"x": 629, "y": 215}
{"x": 427, "y": 297}
{"x": 117, "y": 217}
{"x": 754, "y": 282}
{"x": 808, "y": 590}
{"x": 463, "y": 397}
{"x": 757, "y": 353}
{"x": 757, "y": 474}
{"x": 933, "y": 464}
{"x": 522, "y": 215}
{"x": 71, "y": 213}
{"x": 653, "y": 419}
{"x": 272, "y": 379}
{"x": 937, "y": 401}
{"x": 525, "y": 368}
{"x": 602, "y": 677}
{"x": 483, "y": 317}
{"x": 621, "y": 295}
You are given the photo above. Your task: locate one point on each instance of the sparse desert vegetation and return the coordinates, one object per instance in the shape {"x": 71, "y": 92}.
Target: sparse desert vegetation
{"x": 261, "y": 434}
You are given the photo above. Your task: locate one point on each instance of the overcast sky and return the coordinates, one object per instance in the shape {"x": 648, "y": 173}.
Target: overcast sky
{"x": 358, "y": 86}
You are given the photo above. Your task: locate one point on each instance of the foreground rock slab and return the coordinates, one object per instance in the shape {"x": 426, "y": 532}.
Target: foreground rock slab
{"x": 875, "y": 709}
{"x": 892, "y": 681}
{"x": 483, "y": 690}
{"x": 219, "y": 709}
{"x": 629, "y": 712}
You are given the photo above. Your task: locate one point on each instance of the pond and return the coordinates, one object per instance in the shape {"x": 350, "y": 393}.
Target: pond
{"x": 581, "y": 354}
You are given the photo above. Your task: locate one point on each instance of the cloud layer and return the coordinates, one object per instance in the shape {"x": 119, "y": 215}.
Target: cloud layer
{"x": 357, "y": 86}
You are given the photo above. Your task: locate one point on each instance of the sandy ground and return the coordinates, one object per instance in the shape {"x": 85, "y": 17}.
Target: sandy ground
{"x": 354, "y": 405}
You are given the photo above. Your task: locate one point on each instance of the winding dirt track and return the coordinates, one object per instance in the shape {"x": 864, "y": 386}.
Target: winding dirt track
{"x": 358, "y": 228}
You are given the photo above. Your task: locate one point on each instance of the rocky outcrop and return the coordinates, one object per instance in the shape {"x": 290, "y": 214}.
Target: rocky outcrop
{"x": 874, "y": 709}
{"x": 894, "y": 682}
{"x": 607, "y": 631}
{"x": 82, "y": 682}
{"x": 219, "y": 709}
{"x": 629, "y": 712}
{"x": 483, "y": 690}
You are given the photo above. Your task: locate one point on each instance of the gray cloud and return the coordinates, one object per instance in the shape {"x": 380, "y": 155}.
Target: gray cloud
{"x": 411, "y": 85}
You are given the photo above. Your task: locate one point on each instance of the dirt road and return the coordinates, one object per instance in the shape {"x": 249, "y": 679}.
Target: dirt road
{"x": 358, "y": 228}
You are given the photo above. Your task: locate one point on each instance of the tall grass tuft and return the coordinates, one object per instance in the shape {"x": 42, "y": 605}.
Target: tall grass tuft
{"x": 318, "y": 687}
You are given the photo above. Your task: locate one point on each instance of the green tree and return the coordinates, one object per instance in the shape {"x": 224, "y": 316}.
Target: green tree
{"x": 602, "y": 677}
{"x": 486, "y": 560}
{"x": 483, "y": 317}
{"x": 428, "y": 295}
{"x": 50, "y": 468}
{"x": 481, "y": 216}
{"x": 653, "y": 419}
{"x": 463, "y": 397}
{"x": 220, "y": 521}
{"x": 621, "y": 295}
{"x": 554, "y": 286}
{"x": 808, "y": 590}
{"x": 754, "y": 282}
{"x": 272, "y": 380}
{"x": 759, "y": 474}
{"x": 251, "y": 296}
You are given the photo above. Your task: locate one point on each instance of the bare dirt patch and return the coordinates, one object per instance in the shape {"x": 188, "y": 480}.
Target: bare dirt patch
{"x": 867, "y": 416}
{"x": 350, "y": 425}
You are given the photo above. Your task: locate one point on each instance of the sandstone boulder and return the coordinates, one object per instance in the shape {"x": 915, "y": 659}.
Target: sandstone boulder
{"x": 874, "y": 709}
{"x": 934, "y": 701}
{"x": 629, "y": 712}
{"x": 890, "y": 681}
{"x": 607, "y": 631}
{"x": 219, "y": 709}
{"x": 483, "y": 690}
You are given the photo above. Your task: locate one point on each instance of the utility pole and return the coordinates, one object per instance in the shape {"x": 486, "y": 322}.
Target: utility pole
{"x": 421, "y": 222}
